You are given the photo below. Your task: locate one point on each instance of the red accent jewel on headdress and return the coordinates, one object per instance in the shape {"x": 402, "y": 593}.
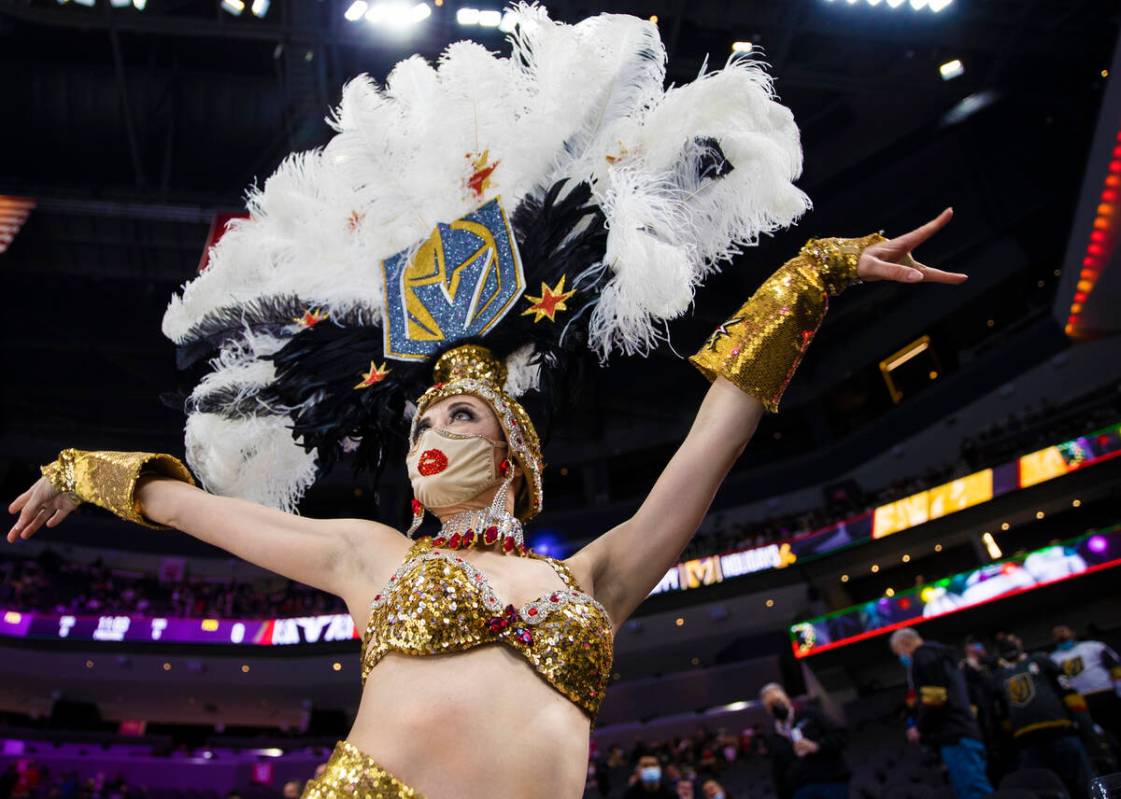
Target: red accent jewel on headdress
{"x": 432, "y": 461}
{"x": 504, "y": 467}
{"x": 490, "y": 535}
{"x": 417, "y": 507}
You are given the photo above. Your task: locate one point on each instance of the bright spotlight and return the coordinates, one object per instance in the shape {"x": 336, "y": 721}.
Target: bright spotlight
{"x": 938, "y": 5}
{"x": 951, "y": 69}
{"x": 742, "y": 47}
{"x": 467, "y": 16}
{"x": 259, "y": 8}
{"x": 397, "y": 14}
{"x": 139, "y": 5}
{"x": 357, "y": 10}
{"x": 918, "y": 5}
{"x": 86, "y": 3}
{"x": 509, "y": 22}
{"x": 235, "y": 7}
{"x": 894, "y": 3}
{"x": 120, "y": 3}
{"x": 490, "y": 19}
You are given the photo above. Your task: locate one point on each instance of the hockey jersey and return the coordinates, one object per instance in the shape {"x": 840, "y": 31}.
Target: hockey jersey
{"x": 1091, "y": 666}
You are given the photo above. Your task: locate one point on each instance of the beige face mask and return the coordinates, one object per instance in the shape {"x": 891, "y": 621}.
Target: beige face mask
{"x": 448, "y": 468}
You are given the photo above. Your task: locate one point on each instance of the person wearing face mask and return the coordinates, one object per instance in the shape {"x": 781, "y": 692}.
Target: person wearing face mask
{"x": 977, "y": 668}
{"x": 939, "y": 712}
{"x": 649, "y": 782}
{"x": 806, "y": 748}
{"x": 711, "y": 789}
{"x": 1094, "y": 670}
{"x": 1043, "y": 713}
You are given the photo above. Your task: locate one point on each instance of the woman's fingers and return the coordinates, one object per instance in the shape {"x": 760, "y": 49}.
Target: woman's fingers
{"x": 873, "y": 268}
{"x": 932, "y": 275}
{"x": 20, "y": 501}
{"x": 911, "y": 240}
{"x": 58, "y": 516}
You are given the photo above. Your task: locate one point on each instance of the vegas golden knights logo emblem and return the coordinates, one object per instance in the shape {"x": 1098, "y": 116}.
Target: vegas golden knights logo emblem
{"x": 1020, "y": 688}
{"x": 1073, "y": 667}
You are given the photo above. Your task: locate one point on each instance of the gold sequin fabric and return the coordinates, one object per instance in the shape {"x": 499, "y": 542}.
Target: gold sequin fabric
{"x": 473, "y": 369}
{"x": 108, "y": 479}
{"x": 351, "y": 772}
{"x": 438, "y": 603}
{"x": 760, "y": 347}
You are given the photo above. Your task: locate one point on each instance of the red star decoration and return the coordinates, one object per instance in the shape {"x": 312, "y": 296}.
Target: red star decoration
{"x": 549, "y": 303}
{"x": 375, "y": 375}
{"x": 311, "y": 318}
{"x": 479, "y": 181}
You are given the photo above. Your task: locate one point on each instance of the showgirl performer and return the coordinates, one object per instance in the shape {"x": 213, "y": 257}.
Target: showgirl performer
{"x": 410, "y": 249}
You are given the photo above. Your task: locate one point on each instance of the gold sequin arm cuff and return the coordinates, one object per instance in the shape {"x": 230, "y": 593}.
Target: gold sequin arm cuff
{"x": 108, "y": 479}
{"x": 760, "y": 347}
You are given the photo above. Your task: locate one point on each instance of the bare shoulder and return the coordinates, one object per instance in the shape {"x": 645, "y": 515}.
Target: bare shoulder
{"x": 373, "y": 539}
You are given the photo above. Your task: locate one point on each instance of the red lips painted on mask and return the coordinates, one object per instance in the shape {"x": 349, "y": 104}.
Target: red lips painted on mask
{"x": 432, "y": 461}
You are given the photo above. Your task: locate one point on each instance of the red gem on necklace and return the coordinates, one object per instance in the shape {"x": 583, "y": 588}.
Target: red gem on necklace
{"x": 532, "y": 611}
{"x": 417, "y": 507}
{"x": 504, "y": 467}
{"x": 439, "y": 541}
{"x": 453, "y": 542}
{"x": 490, "y": 535}
{"x": 553, "y": 598}
{"x": 432, "y": 461}
{"x": 469, "y": 537}
{"x": 508, "y": 543}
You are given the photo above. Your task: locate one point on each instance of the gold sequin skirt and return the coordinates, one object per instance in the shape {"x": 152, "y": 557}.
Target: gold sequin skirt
{"x": 351, "y": 772}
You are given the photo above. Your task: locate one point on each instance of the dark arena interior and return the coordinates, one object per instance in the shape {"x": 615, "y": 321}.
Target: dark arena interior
{"x": 905, "y": 586}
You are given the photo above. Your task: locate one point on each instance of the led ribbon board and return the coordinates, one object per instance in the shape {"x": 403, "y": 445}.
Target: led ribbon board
{"x": 1086, "y": 554}
{"x": 159, "y": 629}
{"x": 904, "y": 514}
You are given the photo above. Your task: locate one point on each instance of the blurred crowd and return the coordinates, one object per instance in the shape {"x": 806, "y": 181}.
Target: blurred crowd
{"x": 27, "y": 779}
{"x": 50, "y": 583}
{"x": 986, "y": 715}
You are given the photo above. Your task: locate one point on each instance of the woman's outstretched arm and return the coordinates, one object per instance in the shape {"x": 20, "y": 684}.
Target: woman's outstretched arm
{"x": 340, "y": 556}
{"x": 624, "y": 564}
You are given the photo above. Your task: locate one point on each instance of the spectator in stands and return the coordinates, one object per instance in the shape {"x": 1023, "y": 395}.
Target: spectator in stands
{"x": 1040, "y": 708}
{"x": 938, "y": 711}
{"x": 685, "y": 789}
{"x": 292, "y": 789}
{"x": 1094, "y": 670}
{"x": 806, "y": 748}
{"x": 977, "y": 668}
{"x": 647, "y": 782}
{"x": 711, "y": 789}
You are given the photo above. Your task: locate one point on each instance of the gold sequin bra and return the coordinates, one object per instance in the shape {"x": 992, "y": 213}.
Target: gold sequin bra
{"x": 437, "y": 603}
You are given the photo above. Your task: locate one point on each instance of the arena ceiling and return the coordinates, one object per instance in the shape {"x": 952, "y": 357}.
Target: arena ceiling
{"x": 130, "y": 129}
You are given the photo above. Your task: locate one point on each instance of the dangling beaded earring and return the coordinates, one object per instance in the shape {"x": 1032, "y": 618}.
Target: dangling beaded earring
{"x": 418, "y": 517}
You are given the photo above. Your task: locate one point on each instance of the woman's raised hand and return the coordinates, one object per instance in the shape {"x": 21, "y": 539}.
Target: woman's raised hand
{"x": 891, "y": 260}
{"x": 41, "y": 504}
